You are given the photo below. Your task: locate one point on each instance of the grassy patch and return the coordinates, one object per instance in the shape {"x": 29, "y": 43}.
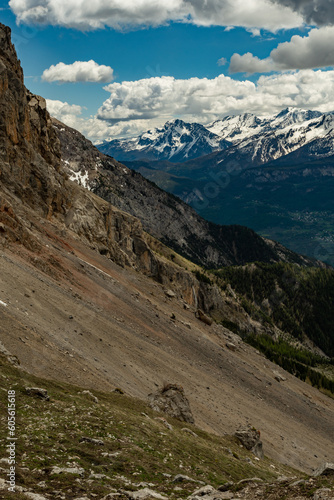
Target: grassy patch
{"x": 137, "y": 448}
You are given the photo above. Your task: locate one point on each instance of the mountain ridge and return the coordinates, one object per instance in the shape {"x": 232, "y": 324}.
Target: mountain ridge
{"x": 275, "y": 136}
{"x": 176, "y": 141}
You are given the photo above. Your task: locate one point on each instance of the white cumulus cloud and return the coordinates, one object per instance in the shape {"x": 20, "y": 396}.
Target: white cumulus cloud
{"x": 119, "y": 14}
{"x": 79, "y": 71}
{"x": 63, "y": 111}
{"x": 93, "y": 128}
{"x": 311, "y": 51}
{"x": 205, "y": 99}
{"x": 247, "y": 63}
{"x": 134, "y": 107}
{"x": 320, "y": 12}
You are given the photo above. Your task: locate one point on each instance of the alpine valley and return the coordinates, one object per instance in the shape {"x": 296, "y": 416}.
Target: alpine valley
{"x": 274, "y": 174}
{"x": 144, "y": 351}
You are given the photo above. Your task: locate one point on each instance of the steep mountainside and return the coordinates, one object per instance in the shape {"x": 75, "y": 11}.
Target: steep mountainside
{"x": 162, "y": 215}
{"x": 289, "y": 200}
{"x": 175, "y": 141}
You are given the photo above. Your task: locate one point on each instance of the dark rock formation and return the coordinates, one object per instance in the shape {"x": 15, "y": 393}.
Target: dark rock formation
{"x": 203, "y": 317}
{"x": 37, "y": 392}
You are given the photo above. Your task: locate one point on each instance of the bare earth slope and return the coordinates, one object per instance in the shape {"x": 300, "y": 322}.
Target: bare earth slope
{"x": 74, "y": 315}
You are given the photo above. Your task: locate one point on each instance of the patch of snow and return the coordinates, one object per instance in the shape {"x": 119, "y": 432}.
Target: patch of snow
{"x": 80, "y": 178}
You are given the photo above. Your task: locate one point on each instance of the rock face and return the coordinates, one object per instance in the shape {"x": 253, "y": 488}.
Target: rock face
{"x": 29, "y": 147}
{"x": 172, "y": 400}
{"x": 31, "y": 172}
{"x": 34, "y": 171}
{"x": 250, "y": 439}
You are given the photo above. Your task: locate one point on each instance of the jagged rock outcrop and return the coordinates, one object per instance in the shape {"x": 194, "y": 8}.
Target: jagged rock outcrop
{"x": 29, "y": 147}
{"x": 32, "y": 176}
{"x": 31, "y": 172}
{"x": 37, "y": 392}
{"x": 326, "y": 469}
{"x": 250, "y": 439}
{"x": 172, "y": 400}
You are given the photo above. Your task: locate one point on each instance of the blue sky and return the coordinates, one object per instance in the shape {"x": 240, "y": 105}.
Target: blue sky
{"x": 117, "y": 68}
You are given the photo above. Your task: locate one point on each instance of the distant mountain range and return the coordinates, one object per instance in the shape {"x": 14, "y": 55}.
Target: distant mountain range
{"x": 273, "y": 174}
{"x": 260, "y": 139}
{"x": 176, "y": 141}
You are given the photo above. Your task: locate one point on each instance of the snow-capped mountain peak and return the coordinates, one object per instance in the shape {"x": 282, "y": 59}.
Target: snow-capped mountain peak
{"x": 175, "y": 141}
{"x": 262, "y": 139}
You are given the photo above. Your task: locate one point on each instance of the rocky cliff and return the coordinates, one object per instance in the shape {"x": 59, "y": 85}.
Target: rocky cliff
{"x": 34, "y": 181}
{"x": 31, "y": 173}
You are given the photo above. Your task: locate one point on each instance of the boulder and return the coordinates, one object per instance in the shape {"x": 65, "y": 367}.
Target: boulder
{"x": 225, "y": 486}
{"x": 278, "y": 376}
{"x": 68, "y": 470}
{"x": 208, "y": 492}
{"x": 98, "y": 442}
{"x": 90, "y": 395}
{"x": 250, "y": 439}
{"x": 203, "y": 317}
{"x": 326, "y": 469}
{"x": 38, "y": 393}
{"x": 181, "y": 478}
{"x": 143, "y": 494}
{"x": 172, "y": 400}
{"x": 323, "y": 494}
{"x": 34, "y": 496}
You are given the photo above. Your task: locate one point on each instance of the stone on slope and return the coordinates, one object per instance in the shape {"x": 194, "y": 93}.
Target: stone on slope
{"x": 181, "y": 478}
{"x": 326, "y": 469}
{"x": 172, "y": 400}
{"x": 98, "y": 442}
{"x": 144, "y": 494}
{"x": 38, "y": 393}
{"x": 68, "y": 470}
{"x": 208, "y": 492}
{"x": 203, "y": 317}
{"x": 250, "y": 439}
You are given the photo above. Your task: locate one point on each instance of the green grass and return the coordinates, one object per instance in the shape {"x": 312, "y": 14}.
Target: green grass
{"x": 136, "y": 445}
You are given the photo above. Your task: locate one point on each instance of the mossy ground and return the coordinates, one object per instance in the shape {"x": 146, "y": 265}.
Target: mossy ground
{"x": 137, "y": 448}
